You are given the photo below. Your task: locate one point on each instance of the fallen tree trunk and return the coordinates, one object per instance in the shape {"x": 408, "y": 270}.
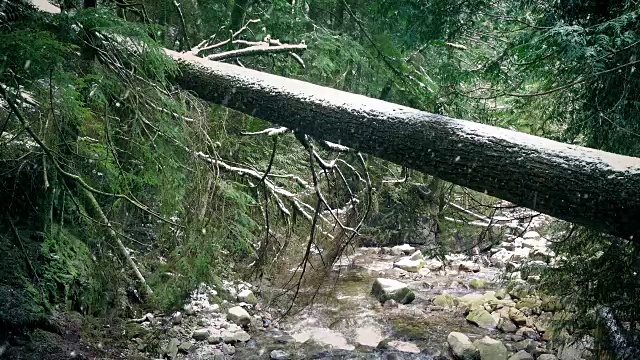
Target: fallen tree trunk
{"x": 593, "y": 188}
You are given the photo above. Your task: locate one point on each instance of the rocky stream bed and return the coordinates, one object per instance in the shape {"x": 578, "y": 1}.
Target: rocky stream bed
{"x": 388, "y": 303}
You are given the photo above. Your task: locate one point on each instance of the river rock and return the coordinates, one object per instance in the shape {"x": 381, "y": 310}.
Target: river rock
{"x": 461, "y": 347}
{"x": 417, "y": 255}
{"x": 405, "y": 249}
{"x": 387, "y": 289}
{"x": 528, "y": 333}
{"x": 527, "y": 345}
{"x": 468, "y": 266}
{"x": 478, "y": 284}
{"x": 407, "y": 264}
{"x": 228, "y": 349}
{"x": 517, "y": 316}
{"x": 239, "y": 316}
{"x": 531, "y": 235}
{"x": 501, "y": 258}
{"x": 278, "y": 355}
{"x": 444, "y": 300}
{"x": 547, "y": 357}
{"x": 176, "y": 319}
{"x": 172, "y": 348}
{"x": 482, "y": 318}
{"x": 506, "y": 325}
{"x": 247, "y": 297}
{"x": 521, "y": 355}
{"x": 433, "y": 264}
{"x": 200, "y": 334}
{"x": 490, "y": 349}
{"x": 185, "y": 347}
{"x": 231, "y": 337}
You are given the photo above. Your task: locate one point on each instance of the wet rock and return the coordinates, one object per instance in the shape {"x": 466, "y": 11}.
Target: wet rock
{"x": 239, "y": 316}
{"x": 482, "y": 318}
{"x": 398, "y": 345}
{"x": 388, "y": 289}
{"x": 172, "y": 348}
{"x": 185, "y": 347}
{"x": 478, "y": 284}
{"x": 461, "y": 346}
{"x": 407, "y": 264}
{"x": 444, "y": 300}
{"x": 200, "y": 334}
{"x": 278, "y": 355}
{"x": 490, "y": 349}
{"x": 247, "y": 297}
{"x": 521, "y": 355}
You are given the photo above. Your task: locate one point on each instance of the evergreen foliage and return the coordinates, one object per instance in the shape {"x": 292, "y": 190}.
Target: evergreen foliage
{"x": 102, "y": 102}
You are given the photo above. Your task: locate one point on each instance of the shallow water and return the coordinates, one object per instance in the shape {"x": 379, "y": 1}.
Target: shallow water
{"x": 347, "y": 322}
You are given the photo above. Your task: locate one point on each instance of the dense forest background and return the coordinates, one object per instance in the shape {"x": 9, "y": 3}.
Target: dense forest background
{"x": 102, "y": 196}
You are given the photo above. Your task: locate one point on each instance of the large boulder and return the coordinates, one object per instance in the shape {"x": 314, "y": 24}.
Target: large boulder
{"x": 389, "y": 289}
{"x": 490, "y": 349}
{"x": 408, "y": 264}
{"x": 239, "y": 316}
{"x": 461, "y": 347}
{"x": 482, "y": 318}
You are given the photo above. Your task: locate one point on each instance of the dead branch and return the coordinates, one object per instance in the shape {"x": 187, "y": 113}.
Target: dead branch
{"x": 261, "y": 49}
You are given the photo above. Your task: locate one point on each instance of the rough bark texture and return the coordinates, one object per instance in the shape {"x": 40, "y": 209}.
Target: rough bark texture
{"x": 585, "y": 186}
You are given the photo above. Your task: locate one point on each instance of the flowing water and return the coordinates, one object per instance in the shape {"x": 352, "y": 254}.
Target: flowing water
{"x": 347, "y": 322}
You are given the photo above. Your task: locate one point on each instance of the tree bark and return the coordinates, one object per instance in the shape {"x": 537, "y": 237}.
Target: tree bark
{"x": 593, "y": 188}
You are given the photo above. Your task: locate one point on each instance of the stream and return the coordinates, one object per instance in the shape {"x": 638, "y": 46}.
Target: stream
{"x": 461, "y": 308}
{"x": 352, "y": 323}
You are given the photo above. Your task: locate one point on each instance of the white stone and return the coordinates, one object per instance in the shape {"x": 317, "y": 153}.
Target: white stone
{"x": 407, "y": 264}
{"x": 239, "y": 316}
{"x": 531, "y": 235}
{"x": 404, "y": 248}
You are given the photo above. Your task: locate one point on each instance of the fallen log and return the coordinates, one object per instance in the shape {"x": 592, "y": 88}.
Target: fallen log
{"x": 585, "y": 186}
